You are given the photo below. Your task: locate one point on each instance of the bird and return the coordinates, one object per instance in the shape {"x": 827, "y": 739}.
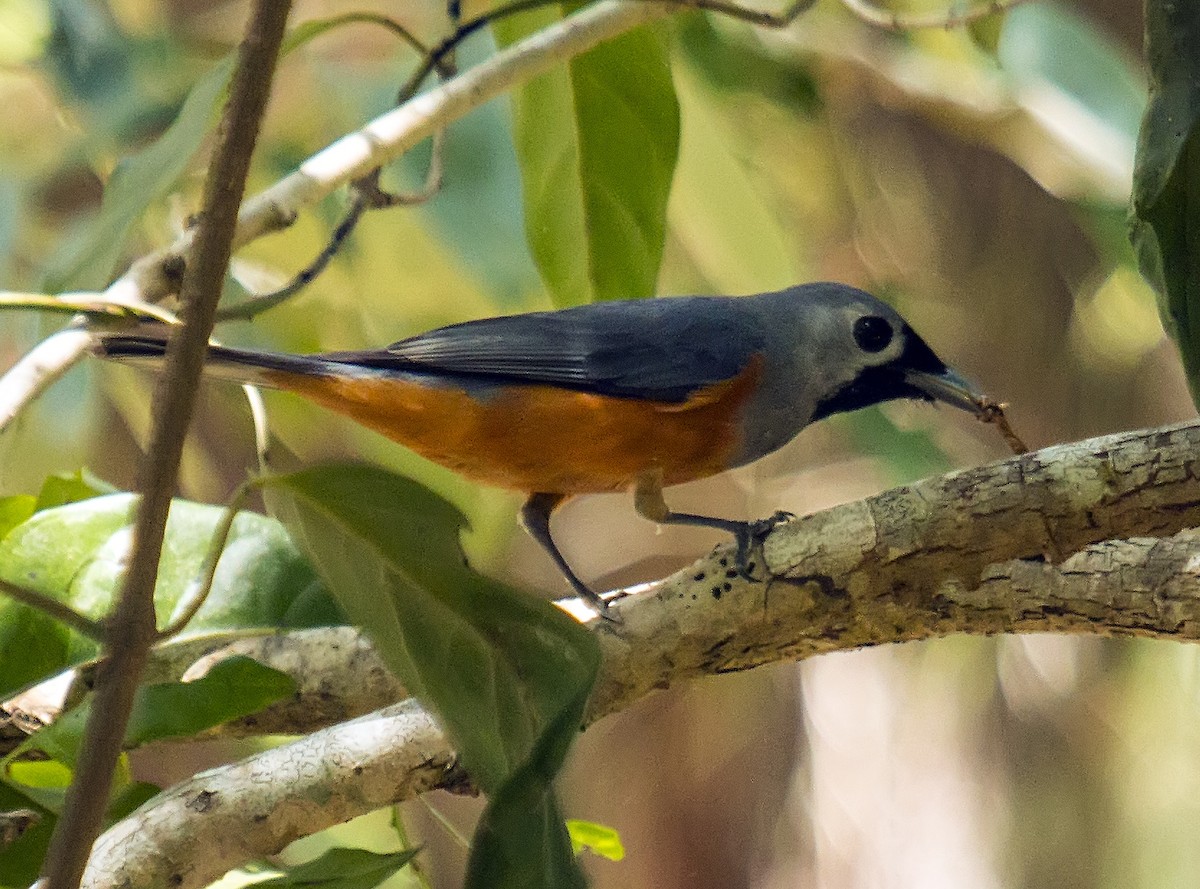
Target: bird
{"x": 628, "y": 395}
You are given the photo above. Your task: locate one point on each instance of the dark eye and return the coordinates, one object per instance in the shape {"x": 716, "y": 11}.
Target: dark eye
{"x": 872, "y": 333}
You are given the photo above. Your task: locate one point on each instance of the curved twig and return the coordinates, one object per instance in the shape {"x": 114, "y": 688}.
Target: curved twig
{"x": 56, "y": 609}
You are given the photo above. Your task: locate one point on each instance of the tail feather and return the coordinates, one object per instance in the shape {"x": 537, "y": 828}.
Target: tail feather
{"x": 222, "y": 362}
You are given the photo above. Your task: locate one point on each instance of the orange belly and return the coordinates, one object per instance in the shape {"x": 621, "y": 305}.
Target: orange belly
{"x": 543, "y": 438}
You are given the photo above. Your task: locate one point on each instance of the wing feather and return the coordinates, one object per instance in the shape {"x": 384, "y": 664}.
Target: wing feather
{"x": 662, "y": 349}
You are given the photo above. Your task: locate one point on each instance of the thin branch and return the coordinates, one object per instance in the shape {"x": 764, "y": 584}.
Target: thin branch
{"x": 131, "y": 626}
{"x": 950, "y": 19}
{"x": 258, "y": 799}
{"x": 891, "y": 568}
{"x": 55, "y": 608}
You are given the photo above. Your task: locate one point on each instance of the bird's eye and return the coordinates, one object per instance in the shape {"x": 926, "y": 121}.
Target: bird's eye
{"x": 872, "y": 333}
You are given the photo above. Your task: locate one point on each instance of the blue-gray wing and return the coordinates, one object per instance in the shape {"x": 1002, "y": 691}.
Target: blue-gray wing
{"x": 658, "y": 349}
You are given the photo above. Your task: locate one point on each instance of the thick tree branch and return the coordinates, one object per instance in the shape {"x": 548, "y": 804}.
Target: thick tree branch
{"x": 960, "y": 553}
{"x": 130, "y": 629}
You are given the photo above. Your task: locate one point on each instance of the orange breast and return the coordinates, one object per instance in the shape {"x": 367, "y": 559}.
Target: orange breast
{"x": 543, "y": 438}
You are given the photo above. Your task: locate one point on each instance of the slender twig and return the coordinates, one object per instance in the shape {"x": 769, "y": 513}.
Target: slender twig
{"x": 366, "y": 193}
{"x": 131, "y": 625}
{"x": 196, "y": 594}
{"x": 255, "y": 305}
{"x": 58, "y": 610}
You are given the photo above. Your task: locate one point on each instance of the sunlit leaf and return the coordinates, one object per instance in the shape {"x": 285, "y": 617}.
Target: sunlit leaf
{"x": 1166, "y": 201}
{"x": 597, "y": 141}
{"x": 14, "y": 510}
{"x": 343, "y": 869}
{"x": 506, "y": 674}
{"x": 600, "y": 839}
{"x": 46, "y": 774}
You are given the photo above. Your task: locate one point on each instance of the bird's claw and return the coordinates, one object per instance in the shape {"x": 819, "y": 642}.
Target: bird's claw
{"x": 750, "y": 537}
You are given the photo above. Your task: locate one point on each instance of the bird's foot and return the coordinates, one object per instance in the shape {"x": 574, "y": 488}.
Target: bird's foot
{"x": 750, "y": 537}
{"x": 598, "y": 604}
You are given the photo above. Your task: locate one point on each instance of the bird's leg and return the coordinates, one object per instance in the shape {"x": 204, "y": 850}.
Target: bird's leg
{"x": 649, "y": 503}
{"x": 535, "y": 517}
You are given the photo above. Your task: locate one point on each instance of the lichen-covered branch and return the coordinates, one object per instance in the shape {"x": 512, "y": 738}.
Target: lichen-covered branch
{"x": 961, "y": 553}
{"x": 196, "y": 831}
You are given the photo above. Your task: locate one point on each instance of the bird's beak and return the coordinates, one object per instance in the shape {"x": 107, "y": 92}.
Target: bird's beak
{"x": 948, "y": 388}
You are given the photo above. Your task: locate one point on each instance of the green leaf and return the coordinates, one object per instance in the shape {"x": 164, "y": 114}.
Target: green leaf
{"x": 597, "y": 142}
{"x": 506, "y": 675}
{"x": 14, "y": 510}
{"x": 234, "y": 687}
{"x": 71, "y": 487}
{"x": 600, "y": 839}
{"x": 136, "y": 183}
{"x": 47, "y": 774}
{"x": 343, "y": 869}
{"x": 143, "y": 178}
{"x": 1166, "y": 188}
{"x": 75, "y": 553}
{"x": 735, "y": 62}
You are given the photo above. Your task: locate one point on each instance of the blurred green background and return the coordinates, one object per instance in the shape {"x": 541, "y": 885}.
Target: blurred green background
{"x": 977, "y": 178}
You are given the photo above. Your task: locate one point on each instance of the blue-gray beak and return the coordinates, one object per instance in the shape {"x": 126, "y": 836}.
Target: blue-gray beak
{"x": 949, "y": 388}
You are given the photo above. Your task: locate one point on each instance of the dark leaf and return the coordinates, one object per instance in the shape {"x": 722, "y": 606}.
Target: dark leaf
{"x": 506, "y": 674}
{"x": 343, "y": 869}
{"x": 1166, "y": 189}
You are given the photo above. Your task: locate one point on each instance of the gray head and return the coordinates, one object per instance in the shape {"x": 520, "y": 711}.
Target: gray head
{"x": 836, "y": 348}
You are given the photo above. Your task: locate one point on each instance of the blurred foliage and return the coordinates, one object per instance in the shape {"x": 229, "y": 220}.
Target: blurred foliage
{"x": 977, "y": 178}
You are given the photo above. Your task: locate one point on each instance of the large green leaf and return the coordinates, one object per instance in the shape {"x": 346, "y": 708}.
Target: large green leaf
{"x": 1166, "y": 188}
{"x": 506, "y": 674}
{"x": 597, "y": 141}
{"x": 75, "y": 553}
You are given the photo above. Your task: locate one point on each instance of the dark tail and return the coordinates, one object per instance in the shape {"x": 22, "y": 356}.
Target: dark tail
{"x": 238, "y": 365}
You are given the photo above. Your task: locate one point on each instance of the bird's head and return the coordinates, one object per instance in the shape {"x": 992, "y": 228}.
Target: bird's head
{"x": 865, "y": 353}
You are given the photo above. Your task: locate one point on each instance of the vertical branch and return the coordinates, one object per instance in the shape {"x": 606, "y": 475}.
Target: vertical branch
{"x": 131, "y": 627}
